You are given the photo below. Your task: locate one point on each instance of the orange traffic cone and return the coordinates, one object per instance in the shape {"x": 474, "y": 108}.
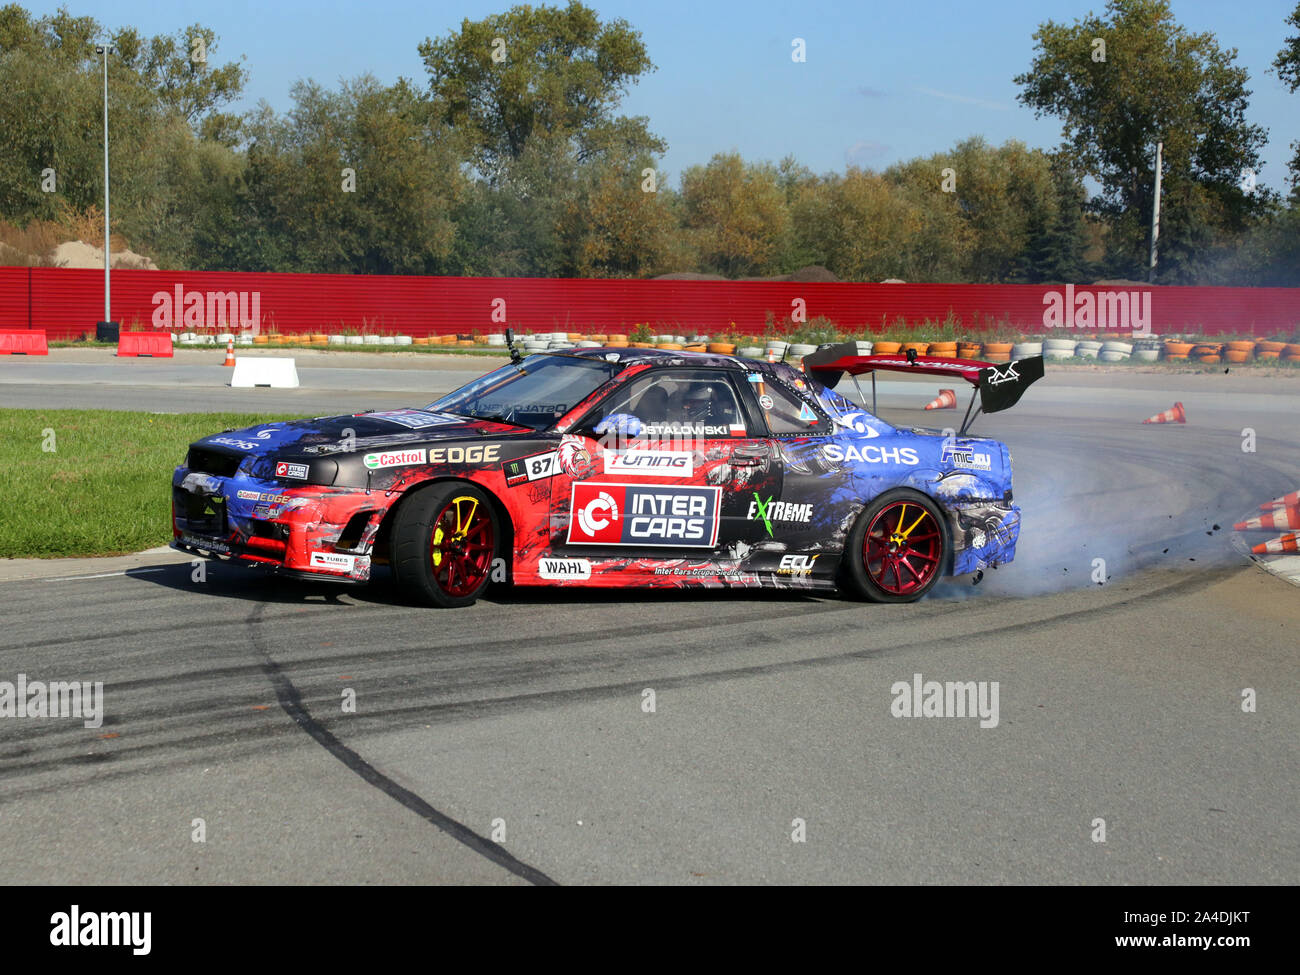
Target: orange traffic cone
{"x": 230, "y": 353}
{"x": 1276, "y": 546}
{"x": 946, "y": 400}
{"x": 1175, "y": 415}
{"x": 1277, "y": 520}
{"x": 1291, "y": 500}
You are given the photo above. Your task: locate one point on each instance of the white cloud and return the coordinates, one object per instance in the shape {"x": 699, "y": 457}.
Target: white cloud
{"x": 862, "y": 152}
{"x": 964, "y": 99}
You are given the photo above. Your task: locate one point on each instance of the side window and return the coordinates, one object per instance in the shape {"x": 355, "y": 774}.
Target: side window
{"x": 644, "y": 398}
{"x": 788, "y": 414}
{"x": 704, "y": 396}
{"x": 698, "y": 401}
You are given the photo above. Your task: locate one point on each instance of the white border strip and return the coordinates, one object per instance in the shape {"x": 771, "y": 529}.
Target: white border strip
{"x": 102, "y": 575}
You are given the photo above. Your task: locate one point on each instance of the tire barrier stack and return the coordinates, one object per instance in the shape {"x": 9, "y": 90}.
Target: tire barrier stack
{"x": 1111, "y": 347}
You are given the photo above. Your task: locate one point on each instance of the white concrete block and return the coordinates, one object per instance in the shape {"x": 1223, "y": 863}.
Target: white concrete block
{"x": 281, "y": 373}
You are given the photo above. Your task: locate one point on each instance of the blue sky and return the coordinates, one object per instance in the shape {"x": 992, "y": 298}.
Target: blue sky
{"x": 882, "y": 81}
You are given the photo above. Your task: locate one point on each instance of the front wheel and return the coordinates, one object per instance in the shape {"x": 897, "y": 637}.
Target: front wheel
{"x": 897, "y": 549}
{"x": 443, "y": 542}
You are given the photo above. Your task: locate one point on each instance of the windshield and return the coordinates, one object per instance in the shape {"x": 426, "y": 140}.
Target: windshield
{"x": 534, "y": 394}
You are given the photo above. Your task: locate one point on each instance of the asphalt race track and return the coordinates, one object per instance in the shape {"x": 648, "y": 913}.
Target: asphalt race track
{"x": 523, "y": 716}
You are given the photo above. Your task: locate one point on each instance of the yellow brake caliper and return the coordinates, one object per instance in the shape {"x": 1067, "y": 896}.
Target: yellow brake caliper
{"x": 461, "y": 529}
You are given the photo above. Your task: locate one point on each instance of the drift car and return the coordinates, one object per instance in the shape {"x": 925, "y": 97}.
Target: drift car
{"x": 619, "y": 468}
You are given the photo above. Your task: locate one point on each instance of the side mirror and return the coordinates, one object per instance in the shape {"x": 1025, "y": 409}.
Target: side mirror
{"x": 621, "y": 425}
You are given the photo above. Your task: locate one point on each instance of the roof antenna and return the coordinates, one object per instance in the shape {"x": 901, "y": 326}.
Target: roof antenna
{"x": 515, "y": 357}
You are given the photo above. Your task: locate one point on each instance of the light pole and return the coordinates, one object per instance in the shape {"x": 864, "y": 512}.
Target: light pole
{"x": 105, "y": 330}
{"x": 1155, "y": 215}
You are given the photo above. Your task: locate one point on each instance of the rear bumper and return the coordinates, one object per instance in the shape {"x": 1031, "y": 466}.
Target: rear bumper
{"x": 984, "y": 535}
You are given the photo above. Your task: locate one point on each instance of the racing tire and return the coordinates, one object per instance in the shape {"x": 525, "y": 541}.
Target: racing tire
{"x": 898, "y": 548}
{"x": 444, "y": 539}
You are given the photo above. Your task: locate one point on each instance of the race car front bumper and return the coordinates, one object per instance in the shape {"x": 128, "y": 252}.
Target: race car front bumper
{"x": 309, "y": 531}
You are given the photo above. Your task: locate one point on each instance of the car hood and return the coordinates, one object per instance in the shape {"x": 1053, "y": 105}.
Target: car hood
{"x": 322, "y": 436}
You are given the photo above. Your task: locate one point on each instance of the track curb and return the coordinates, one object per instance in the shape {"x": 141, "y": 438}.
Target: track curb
{"x": 24, "y": 570}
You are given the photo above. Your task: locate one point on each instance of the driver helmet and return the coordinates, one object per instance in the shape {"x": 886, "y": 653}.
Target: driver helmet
{"x": 699, "y": 401}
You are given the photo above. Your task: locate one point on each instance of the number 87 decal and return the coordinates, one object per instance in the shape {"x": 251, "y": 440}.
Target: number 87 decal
{"x": 534, "y": 467}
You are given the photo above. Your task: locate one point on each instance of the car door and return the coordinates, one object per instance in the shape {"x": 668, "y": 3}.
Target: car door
{"x": 664, "y": 467}
{"x": 805, "y": 522}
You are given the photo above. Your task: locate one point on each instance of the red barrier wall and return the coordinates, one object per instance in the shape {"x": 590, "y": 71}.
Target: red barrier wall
{"x": 68, "y": 302}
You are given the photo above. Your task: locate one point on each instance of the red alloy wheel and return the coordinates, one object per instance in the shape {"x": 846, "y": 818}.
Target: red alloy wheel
{"x": 902, "y": 548}
{"x": 461, "y": 546}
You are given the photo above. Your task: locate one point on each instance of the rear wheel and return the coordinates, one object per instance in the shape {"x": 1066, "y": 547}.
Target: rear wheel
{"x": 443, "y": 541}
{"x": 897, "y": 549}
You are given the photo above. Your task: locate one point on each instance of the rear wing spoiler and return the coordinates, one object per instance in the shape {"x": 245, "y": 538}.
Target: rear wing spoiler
{"x": 999, "y": 386}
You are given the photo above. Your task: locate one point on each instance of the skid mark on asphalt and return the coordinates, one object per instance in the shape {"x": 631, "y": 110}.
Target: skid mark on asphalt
{"x": 219, "y": 619}
{"x": 152, "y": 741}
{"x": 291, "y": 703}
{"x": 482, "y": 707}
{"x": 606, "y": 649}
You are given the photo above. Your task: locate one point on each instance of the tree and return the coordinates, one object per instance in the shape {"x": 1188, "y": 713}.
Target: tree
{"x": 511, "y": 226}
{"x": 539, "y": 71}
{"x": 1158, "y": 82}
{"x": 807, "y": 198}
{"x": 1001, "y": 194}
{"x": 896, "y": 224}
{"x": 870, "y": 223}
{"x": 737, "y": 215}
{"x": 42, "y": 80}
{"x": 356, "y": 180}
{"x": 50, "y": 104}
{"x": 1287, "y": 66}
{"x": 617, "y": 226}
{"x": 174, "y": 68}
{"x": 1057, "y": 256}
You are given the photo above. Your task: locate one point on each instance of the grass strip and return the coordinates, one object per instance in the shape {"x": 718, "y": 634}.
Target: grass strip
{"x": 94, "y": 482}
